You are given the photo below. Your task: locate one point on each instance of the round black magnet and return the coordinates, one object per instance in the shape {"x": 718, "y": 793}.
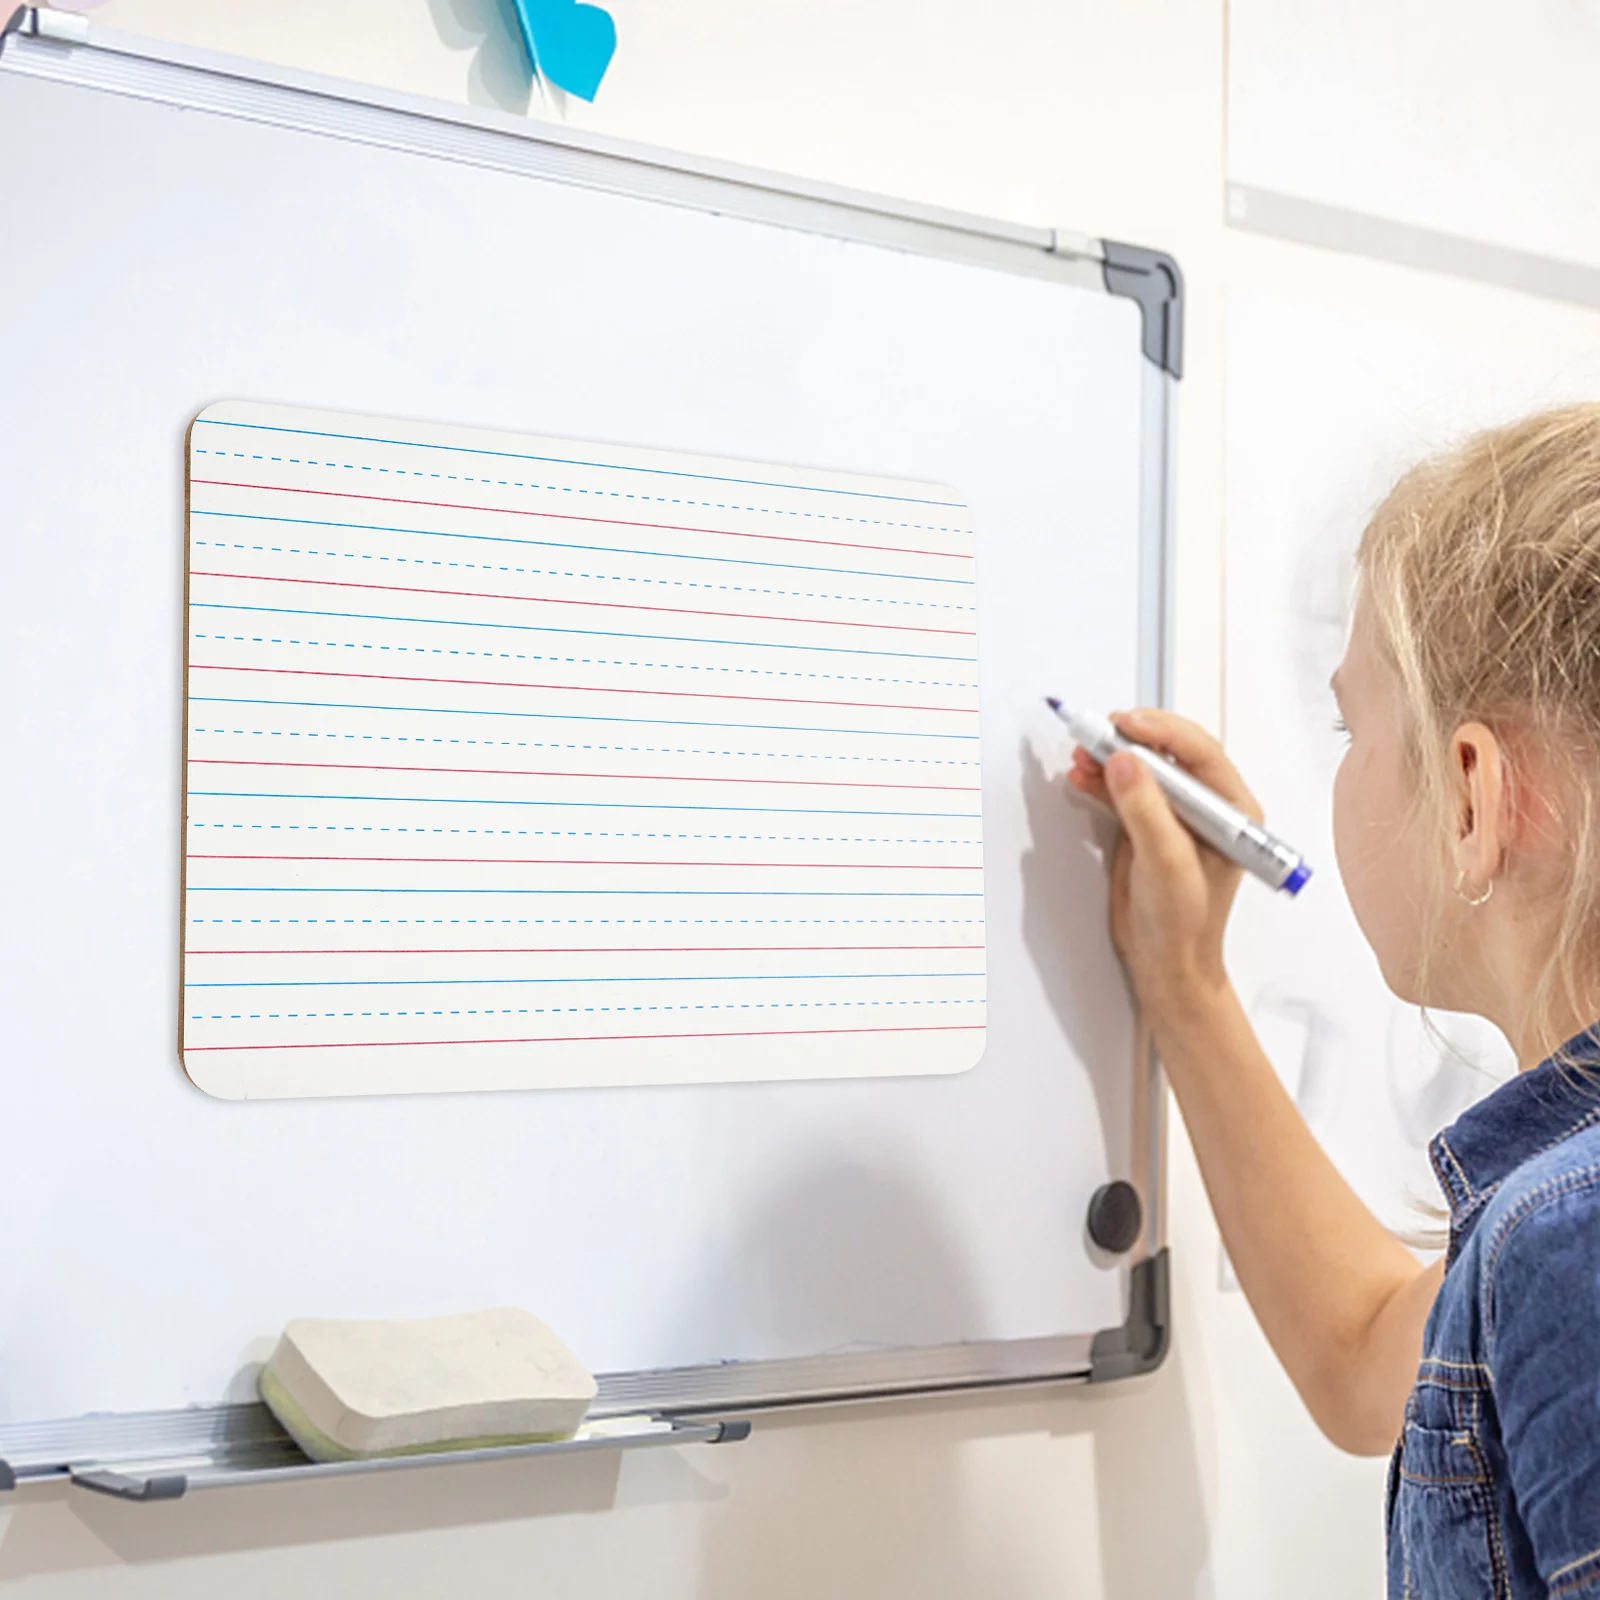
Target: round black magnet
{"x": 1115, "y": 1216}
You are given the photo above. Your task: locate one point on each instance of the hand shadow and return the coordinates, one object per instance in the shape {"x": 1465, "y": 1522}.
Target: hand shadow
{"x": 1065, "y": 879}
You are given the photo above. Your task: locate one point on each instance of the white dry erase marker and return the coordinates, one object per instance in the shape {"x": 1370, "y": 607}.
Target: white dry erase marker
{"x": 1207, "y": 815}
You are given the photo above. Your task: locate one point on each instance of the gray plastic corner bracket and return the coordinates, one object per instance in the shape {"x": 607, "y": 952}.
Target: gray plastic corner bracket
{"x": 1141, "y": 1343}
{"x": 1152, "y": 278}
{"x": 8, "y": 1478}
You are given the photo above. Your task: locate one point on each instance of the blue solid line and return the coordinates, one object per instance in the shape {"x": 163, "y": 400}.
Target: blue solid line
{"x": 573, "y": 805}
{"x": 638, "y": 894}
{"x": 582, "y": 633}
{"x": 709, "y": 977}
{"x": 563, "y": 461}
{"x": 561, "y": 716}
{"x": 595, "y": 549}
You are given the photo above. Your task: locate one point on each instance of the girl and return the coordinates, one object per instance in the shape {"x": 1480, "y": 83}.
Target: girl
{"x": 1467, "y": 829}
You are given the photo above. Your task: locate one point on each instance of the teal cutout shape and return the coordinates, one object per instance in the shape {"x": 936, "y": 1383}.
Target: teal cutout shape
{"x": 569, "y": 43}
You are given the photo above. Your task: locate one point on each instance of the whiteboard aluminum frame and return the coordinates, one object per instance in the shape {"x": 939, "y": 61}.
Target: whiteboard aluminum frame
{"x": 40, "y": 43}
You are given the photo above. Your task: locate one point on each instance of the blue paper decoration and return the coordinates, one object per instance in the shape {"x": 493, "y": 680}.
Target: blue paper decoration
{"x": 569, "y": 43}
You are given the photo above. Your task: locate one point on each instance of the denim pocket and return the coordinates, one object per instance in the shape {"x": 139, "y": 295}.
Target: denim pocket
{"x": 1445, "y": 1518}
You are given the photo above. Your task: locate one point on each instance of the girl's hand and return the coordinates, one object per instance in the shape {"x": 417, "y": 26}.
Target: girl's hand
{"x": 1170, "y": 895}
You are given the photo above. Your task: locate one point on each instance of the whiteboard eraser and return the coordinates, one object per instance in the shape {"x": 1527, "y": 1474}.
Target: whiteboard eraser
{"x": 346, "y": 1391}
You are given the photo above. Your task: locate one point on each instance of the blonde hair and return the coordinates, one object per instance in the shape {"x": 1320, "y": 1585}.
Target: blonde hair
{"x": 1481, "y": 572}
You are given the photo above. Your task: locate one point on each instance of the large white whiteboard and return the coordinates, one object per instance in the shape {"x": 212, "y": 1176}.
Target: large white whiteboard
{"x": 194, "y": 256}
{"x": 1472, "y": 121}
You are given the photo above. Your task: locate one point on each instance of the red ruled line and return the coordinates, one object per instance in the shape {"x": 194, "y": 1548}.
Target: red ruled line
{"x": 578, "y": 950}
{"x": 568, "y": 516}
{"x": 631, "y": 777}
{"x": 583, "y": 605}
{"x": 594, "y": 1038}
{"x": 582, "y": 688}
{"x": 559, "y": 861}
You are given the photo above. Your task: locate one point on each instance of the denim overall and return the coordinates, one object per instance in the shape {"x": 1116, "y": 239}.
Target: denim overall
{"x": 1494, "y": 1489}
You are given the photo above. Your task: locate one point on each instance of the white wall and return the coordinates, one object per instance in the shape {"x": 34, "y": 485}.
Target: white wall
{"x": 1338, "y": 379}
{"x": 1471, "y": 119}
{"x": 1205, "y": 1480}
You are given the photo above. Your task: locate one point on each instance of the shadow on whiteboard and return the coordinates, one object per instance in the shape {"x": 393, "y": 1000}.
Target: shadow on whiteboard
{"x": 839, "y": 1254}
{"x": 1064, "y": 931}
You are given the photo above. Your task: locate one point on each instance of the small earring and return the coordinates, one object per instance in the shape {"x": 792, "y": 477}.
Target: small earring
{"x": 1482, "y": 899}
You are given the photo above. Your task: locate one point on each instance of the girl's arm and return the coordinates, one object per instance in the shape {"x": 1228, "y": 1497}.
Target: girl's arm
{"x": 1341, "y": 1300}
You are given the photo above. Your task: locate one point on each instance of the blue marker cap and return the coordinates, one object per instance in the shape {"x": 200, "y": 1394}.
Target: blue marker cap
{"x": 1297, "y": 880}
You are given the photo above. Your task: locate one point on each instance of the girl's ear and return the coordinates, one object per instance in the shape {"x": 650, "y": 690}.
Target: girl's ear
{"x": 1484, "y": 824}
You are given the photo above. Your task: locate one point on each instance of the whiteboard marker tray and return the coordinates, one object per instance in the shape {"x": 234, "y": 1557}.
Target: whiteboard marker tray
{"x": 162, "y": 1455}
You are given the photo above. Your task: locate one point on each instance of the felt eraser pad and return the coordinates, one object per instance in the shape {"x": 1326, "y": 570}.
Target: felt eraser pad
{"x": 348, "y": 1390}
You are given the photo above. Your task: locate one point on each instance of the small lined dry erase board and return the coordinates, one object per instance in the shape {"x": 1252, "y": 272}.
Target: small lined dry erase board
{"x": 519, "y": 762}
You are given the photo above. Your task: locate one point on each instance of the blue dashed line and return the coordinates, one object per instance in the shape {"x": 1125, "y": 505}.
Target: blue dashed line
{"x": 552, "y": 1011}
{"x": 593, "y": 577}
{"x": 593, "y": 922}
{"x": 580, "y": 633}
{"x": 580, "y": 833}
{"x": 606, "y": 466}
{"x": 590, "y": 661}
{"x": 474, "y": 983}
{"x": 587, "y": 549}
{"x": 569, "y": 805}
{"x": 572, "y": 716}
{"x": 599, "y": 894}
{"x": 619, "y": 749}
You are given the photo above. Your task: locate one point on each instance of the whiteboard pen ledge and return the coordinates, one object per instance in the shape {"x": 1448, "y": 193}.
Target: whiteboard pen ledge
{"x": 166, "y": 1455}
